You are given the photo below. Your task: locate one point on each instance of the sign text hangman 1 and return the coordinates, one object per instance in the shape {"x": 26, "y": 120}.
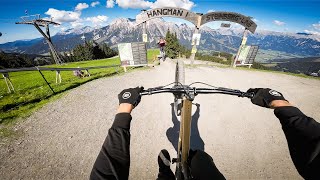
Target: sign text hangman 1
{"x": 168, "y": 12}
{"x": 197, "y": 19}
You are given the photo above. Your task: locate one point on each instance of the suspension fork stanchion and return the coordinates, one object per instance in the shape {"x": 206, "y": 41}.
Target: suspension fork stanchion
{"x": 185, "y": 136}
{"x": 179, "y": 150}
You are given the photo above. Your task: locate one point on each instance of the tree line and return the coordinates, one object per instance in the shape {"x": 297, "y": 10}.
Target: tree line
{"x": 82, "y": 52}
{"x": 14, "y": 60}
{"x": 173, "y": 47}
{"x": 89, "y": 51}
{"x": 218, "y": 57}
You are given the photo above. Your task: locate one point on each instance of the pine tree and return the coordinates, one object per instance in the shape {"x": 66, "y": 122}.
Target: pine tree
{"x": 173, "y": 47}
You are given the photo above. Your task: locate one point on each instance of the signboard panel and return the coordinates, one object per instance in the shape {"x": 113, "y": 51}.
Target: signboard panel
{"x": 125, "y": 53}
{"x": 133, "y": 54}
{"x": 196, "y": 39}
{"x": 225, "y": 25}
{"x": 244, "y": 41}
{"x": 168, "y": 12}
{"x": 251, "y": 54}
{"x": 230, "y": 16}
{"x": 243, "y": 54}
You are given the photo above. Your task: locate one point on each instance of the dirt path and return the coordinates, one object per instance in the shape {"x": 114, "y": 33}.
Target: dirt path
{"x": 63, "y": 138}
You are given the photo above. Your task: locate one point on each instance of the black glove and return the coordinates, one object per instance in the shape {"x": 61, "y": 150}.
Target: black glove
{"x": 264, "y": 96}
{"x": 131, "y": 96}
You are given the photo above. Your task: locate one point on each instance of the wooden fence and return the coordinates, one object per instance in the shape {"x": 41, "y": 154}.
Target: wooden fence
{"x": 5, "y": 73}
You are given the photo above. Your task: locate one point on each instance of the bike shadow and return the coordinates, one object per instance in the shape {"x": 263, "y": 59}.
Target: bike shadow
{"x": 196, "y": 142}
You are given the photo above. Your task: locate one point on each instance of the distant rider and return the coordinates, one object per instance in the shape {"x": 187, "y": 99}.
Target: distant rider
{"x": 302, "y": 134}
{"x": 162, "y": 43}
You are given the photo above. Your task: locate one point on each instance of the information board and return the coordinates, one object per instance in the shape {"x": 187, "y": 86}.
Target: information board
{"x": 196, "y": 39}
{"x": 133, "y": 54}
{"x": 243, "y": 54}
{"x": 248, "y": 54}
{"x": 251, "y": 54}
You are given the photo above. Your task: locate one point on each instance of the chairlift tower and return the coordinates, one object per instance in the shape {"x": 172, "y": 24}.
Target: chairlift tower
{"x": 83, "y": 38}
{"x": 37, "y": 22}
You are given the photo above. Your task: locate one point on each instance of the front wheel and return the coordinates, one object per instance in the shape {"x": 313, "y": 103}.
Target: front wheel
{"x": 179, "y": 81}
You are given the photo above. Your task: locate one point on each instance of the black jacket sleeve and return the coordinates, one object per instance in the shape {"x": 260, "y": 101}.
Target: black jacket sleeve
{"x": 303, "y": 136}
{"x": 113, "y": 160}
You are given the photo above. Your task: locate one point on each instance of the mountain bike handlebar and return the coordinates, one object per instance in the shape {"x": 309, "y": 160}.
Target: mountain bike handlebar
{"x": 196, "y": 91}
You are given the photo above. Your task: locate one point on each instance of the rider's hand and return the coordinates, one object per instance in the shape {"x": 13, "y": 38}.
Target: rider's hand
{"x": 268, "y": 98}
{"x": 130, "y": 96}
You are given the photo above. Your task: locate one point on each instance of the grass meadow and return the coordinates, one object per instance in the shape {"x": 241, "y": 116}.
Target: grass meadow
{"x": 32, "y": 92}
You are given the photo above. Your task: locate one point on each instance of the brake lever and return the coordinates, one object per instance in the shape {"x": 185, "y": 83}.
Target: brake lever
{"x": 248, "y": 95}
{"x": 149, "y": 90}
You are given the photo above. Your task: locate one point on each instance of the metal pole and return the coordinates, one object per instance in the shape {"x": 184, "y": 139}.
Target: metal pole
{"x": 144, "y": 27}
{"x": 5, "y": 80}
{"x": 46, "y": 80}
{"x": 58, "y": 77}
{"x": 8, "y": 82}
{"x": 192, "y": 56}
{"x": 48, "y": 32}
{"x": 196, "y": 31}
{"x": 48, "y": 39}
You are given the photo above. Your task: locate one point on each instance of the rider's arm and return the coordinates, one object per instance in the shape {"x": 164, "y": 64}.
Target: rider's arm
{"x": 303, "y": 136}
{"x": 113, "y": 160}
{"x": 301, "y": 131}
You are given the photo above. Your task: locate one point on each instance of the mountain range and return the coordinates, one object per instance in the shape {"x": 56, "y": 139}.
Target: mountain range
{"x": 126, "y": 30}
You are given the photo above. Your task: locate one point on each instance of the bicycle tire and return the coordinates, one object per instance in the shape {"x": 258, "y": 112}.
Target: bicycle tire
{"x": 180, "y": 73}
{"x": 179, "y": 80}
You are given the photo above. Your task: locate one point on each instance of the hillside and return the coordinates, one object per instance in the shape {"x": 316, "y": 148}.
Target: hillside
{"x": 297, "y": 65}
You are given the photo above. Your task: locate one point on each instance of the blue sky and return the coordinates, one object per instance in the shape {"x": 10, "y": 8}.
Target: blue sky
{"x": 275, "y": 15}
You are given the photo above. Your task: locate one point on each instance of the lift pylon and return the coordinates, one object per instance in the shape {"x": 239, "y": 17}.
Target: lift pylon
{"x": 37, "y": 22}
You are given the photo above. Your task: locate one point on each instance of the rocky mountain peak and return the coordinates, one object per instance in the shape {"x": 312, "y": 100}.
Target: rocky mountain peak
{"x": 221, "y": 39}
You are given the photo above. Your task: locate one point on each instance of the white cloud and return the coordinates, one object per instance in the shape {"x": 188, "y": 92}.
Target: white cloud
{"x": 63, "y": 16}
{"x": 185, "y": 4}
{"x": 77, "y": 24}
{"x": 279, "y": 23}
{"x": 255, "y": 20}
{"x": 134, "y": 4}
{"x": 94, "y": 4}
{"x": 312, "y": 32}
{"x": 110, "y": 3}
{"x": 81, "y": 6}
{"x": 314, "y": 29}
{"x": 210, "y": 10}
{"x": 316, "y": 26}
{"x": 63, "y": 28}
{"x": 97, "y": 20}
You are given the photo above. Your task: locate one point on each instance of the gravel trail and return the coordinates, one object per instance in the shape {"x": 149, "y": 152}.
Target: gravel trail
{"x": 62, "y": 139}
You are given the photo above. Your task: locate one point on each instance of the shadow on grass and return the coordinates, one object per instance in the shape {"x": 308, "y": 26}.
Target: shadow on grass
{"x": 14, "y": 106}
